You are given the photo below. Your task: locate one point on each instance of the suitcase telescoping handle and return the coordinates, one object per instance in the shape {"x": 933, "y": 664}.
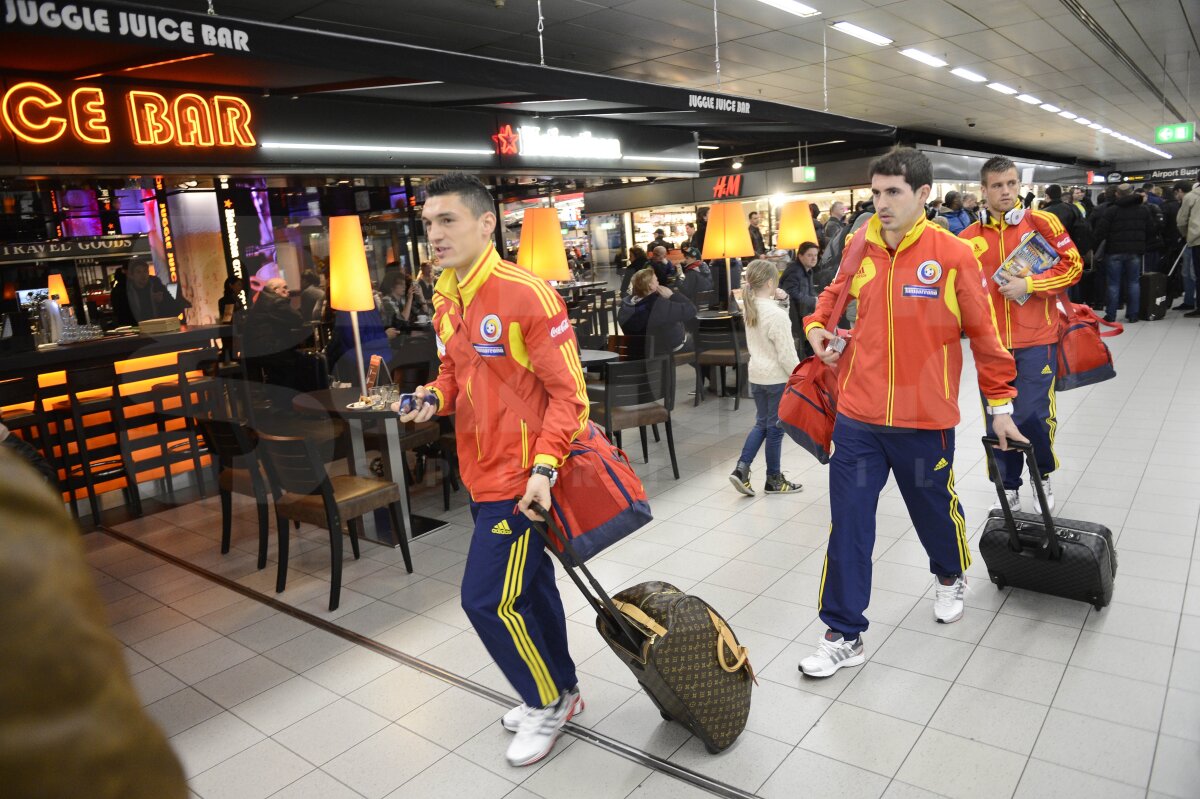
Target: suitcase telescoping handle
{"x": 600, "y": 601}
{"x": 1052, "y": 546}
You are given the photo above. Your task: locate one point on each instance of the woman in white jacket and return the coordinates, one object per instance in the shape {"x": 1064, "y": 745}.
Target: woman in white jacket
{"x": 772, "y": 359}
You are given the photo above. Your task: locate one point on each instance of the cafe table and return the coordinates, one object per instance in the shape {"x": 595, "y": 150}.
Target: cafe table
{"x": 336, "y": 402}
{"x": 590, "y": 358}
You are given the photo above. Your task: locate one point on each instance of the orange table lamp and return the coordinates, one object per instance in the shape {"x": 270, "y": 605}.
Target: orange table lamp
{"x": 542, "y": 250}
{"x": 796, "y": 226}
{"x": 727, "y": 236}
{"x": 349, "y": 280}
{"x": 56, "y": 286}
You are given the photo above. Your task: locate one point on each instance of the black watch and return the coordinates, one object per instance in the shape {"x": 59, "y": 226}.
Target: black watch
{"x": 546, "y": 471}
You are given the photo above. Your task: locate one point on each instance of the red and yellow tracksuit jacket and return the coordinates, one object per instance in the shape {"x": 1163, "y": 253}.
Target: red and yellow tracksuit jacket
{"x": 1036, "y": 322}
{"x": 902, "y": 365}
{"x": 518, "y": 326}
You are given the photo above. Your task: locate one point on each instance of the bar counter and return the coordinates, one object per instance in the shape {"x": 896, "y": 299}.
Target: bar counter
{"x": 106, "y": 350}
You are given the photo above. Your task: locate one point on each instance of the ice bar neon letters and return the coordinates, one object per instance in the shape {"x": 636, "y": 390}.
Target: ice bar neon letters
{"x": 37, "y": 114}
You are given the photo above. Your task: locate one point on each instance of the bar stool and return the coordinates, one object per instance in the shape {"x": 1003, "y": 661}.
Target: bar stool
{"x": 28, "y": 423}
{"x": 93, "y": 459}
{"x": 196, "y": 396}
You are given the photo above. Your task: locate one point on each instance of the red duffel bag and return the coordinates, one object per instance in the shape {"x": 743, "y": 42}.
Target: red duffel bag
{"x": 1083, "y": 357}
{"x": 808, "y": 407}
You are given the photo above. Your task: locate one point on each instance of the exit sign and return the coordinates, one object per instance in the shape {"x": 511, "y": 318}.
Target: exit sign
{"x": 804, "y": 174}
{"x": 1172, "y": 134}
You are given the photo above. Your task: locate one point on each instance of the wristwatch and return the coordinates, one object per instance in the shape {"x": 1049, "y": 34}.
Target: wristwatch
{"x": 546, "y": 471}
{"x": 1000, "y": 410}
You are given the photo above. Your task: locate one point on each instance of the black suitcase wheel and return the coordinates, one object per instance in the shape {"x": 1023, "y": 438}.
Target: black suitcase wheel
{"x": 712, "y": 750}
{"x": 1097, "y": 606}
{"x": 666, "y": 716}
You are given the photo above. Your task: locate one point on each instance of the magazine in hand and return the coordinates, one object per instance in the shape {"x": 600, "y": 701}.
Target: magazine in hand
{"x": 1032, "y": 256}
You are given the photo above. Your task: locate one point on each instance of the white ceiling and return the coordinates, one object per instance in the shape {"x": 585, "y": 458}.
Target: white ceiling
{"x": 1036, "y": 46}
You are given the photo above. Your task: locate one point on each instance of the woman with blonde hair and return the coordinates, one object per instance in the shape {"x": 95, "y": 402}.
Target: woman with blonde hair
{"x": 772, "y": 359}
{"x": 652, "y": 311}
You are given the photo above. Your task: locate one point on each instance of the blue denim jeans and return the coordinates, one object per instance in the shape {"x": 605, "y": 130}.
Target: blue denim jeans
{"x": 1125, "y": 266}
{"x": 766, "y": 427}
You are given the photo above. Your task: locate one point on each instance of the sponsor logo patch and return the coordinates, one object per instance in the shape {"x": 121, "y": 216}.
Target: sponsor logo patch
{"x": 929, "y": 272}
{"x": 1065, "y": 241}
{"x": 928, "y": 292}
{"x": 490, "y": 328}
{"x": 1046, "y": 370}
{"x": 502, "y": 528}
{"x": 490, "y": 350}
{"x": 557, "y": 328}
{"x": 942, "y": 464}
{"x": 979, "y": 245}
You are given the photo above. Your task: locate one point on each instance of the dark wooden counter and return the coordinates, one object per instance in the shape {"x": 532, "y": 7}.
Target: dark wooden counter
{"x": 107, "y": 350}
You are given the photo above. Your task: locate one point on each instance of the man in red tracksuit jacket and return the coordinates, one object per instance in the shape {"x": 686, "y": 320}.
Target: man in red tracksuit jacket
{"x": 1030, "y": 330}
{"x": 498, "y": 322}
{"x": 918, "y": 287}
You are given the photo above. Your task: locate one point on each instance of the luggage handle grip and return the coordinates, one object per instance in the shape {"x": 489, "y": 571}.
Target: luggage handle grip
{"x": 727, "y": 641}
{"x": 601, "y": 602}
{"x": 1052, "y": 546}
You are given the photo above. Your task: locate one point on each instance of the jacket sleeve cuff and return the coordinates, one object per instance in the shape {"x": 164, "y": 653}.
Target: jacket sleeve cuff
{"x": 1029, "y": 287}
{"x": 441, "y": 398}
{"x": 995, "y": 403}
{"x": 546, "y": 460}
{"x": 811, "y": 325}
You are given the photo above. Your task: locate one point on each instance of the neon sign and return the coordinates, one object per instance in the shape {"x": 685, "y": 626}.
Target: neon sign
{"x": 728, "y": 186}
{"x": 35, "y": 113}
{"x": 531, "y": 141}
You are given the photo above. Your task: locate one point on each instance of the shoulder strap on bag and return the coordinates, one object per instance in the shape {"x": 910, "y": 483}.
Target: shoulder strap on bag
{"x": 850, "y": 260}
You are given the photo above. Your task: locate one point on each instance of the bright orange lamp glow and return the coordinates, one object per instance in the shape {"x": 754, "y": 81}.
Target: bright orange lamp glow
{"x": 349, "y": 280}
{"x": 728, "y": 233}
{"x": 56, "y": 286}
{"x": 796, "y": 226}
{"x": 542, "y": 250}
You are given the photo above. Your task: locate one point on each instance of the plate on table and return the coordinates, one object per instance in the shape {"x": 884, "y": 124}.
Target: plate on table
{"x": 360, "y": 406}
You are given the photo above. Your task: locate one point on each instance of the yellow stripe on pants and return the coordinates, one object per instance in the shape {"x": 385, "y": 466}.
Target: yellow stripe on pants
{"x": 960, "y": 524}
{"x": 513, "y": 579}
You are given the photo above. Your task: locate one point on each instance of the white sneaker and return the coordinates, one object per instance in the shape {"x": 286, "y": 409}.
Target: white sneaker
{"x": 512, "y": 719}
{"x": 1037, "y": 505}
{"x": 1014, "y": 501}
{"x": 948, "y": 600}
{"x": 833, "y": 653}
{"x": 538, "y": 731}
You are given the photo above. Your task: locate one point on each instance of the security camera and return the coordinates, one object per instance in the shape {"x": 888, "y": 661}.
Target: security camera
{"x": 970, "y": 122}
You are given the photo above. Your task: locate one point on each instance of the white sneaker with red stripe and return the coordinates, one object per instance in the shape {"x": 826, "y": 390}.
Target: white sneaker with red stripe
{"x": 512, "y": 719}
{"x": 538, "y": 731}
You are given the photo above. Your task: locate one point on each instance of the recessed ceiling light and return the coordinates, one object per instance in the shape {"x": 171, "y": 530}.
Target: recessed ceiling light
{"x": 1028, "y": 98}
{"x": 923, "y": 57}
{"x": 1066, "y": 115}
{"x": 974, "y": 77}
{"x": 1000, "y": 87}
{"x": 1106, "y": 130}
{"x": 792, "y": 7}
{"x": 1053, "y": 109}
{"x": 737, "y": 164}
{"x": 1082, "y": 121}
{"x": 851, "y": 29}
{"x": 1116, "y": 134}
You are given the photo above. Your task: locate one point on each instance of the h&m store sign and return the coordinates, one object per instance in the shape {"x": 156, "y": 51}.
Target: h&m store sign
{"x": 38, "y": 114}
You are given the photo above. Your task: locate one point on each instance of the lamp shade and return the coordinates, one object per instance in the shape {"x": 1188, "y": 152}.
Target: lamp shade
{"x": 728, "y": 233}
{"x": 542, "y": 251}
{"x": 349, "y": 280}
{"x": 796, "y": 225}
{"x": 56, "y": 286}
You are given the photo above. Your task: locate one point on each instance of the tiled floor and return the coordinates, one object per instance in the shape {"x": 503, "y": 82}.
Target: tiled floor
{"x": 1027, "y": 696}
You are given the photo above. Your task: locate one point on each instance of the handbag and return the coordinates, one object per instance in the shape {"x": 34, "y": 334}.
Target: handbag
{"x": 598, "y": 499}
{"x": 808, "y": 407}
{"x": 1083, "y": 357}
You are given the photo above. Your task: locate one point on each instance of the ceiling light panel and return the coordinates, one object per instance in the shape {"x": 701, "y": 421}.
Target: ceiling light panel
{"x": 850, "y": 29}
{"x": 967, "y": 74}
{"x": 1000, "y": 87}
{"x": 1029, "y": 98}
{"x": 923, "y": 57}
{"x": 792, "y": 7}
{"x": 1066, "y": 115}
{"x": 1053, "y": 109}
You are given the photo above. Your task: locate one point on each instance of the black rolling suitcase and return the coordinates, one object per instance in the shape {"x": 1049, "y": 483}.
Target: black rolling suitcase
{"x": 1076, "y": 560}
{"x": 681, "y": 651}
{"x": 1155, "y": 300}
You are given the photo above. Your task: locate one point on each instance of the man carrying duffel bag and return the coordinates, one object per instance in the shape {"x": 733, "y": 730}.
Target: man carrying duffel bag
{"x": 918, "y": 286}
{"x": 499, "y": 325}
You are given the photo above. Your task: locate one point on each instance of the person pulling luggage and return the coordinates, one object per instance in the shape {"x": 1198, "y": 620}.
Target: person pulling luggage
{"x": 497, "y": 322}
{"x": 918, "y": 287}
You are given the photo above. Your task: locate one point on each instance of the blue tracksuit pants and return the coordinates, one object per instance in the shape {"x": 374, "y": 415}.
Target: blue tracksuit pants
{"x": 1034, "y": 412}
{"x": 863, "y": 455}
{"x": 512, "y": 600}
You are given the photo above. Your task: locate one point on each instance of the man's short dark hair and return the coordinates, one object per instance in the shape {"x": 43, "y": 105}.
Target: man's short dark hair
{"x": 309, "y": 278}
{"x": 951, "y": 197}
{"x": 474, "y": 194}
{"x": 994, "y": 166}
{"x": 912, "y": 165}
{"x": 1123, "y": 190}
{"x": 805, "y": 247}
{"x": 1182, "y": 185}
{"x": 1054, "y": 192}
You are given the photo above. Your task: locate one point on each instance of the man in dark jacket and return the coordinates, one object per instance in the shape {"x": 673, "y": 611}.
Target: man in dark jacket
{"x": 697, "y": 277}
{"x": 799, "y": 279}
{"x": 1080, "y": 233}
{"x": 142, "y": 296}
{"x": 1173, "y": 242}
{"x": 273, "y": 331}
{"x": 756, "y": 236}
{"x": 660, "y": 241}
{"x": 655, "y": 312}
{"x": 957, "y": 219}
{"x": 663, "y": 268}
{"x": 1125, "y": 227}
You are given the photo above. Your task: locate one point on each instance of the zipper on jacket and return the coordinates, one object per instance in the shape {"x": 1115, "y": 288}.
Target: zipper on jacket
{"x": 946, "y": 371}
{"x": 1003, "y": 299}
{"x": 891, "y": 377}
{"x": 849, "y": 369}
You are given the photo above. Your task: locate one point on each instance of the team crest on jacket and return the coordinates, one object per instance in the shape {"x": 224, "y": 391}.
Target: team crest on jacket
{"x": 929, "y": 272}
{"x": 490, "y": 328}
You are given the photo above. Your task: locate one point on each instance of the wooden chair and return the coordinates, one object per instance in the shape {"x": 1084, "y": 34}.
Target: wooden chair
{"x": 31, "y": 424}
{"x": 196, "y": 395}
{"x": 99, "y": 435}
{"x": 719, "y": 343}
{"x": 239, "y": 471}
{"x": 304, "y": 492}
{"x": 638, "y": 394}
